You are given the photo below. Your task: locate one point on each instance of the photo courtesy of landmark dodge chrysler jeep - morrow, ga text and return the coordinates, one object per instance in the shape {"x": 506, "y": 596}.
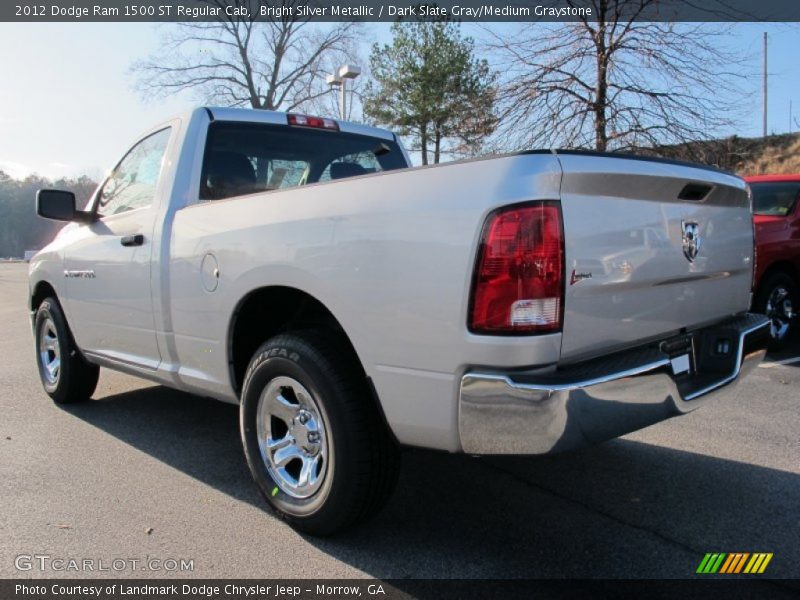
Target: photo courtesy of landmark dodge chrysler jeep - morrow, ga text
{"x": 522, "y": 304}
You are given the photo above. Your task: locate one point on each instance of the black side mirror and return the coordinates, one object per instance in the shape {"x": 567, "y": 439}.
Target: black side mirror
{"x": 58, "y": 205}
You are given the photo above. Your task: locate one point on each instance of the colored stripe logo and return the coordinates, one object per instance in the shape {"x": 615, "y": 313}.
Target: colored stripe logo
{"x": 734, "y": 563}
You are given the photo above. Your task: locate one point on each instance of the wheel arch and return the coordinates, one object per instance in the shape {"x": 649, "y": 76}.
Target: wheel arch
{"x": 780, "y": 266}
{"x": 266, "y": 311}
{"x": 290, "y": 309}
{"x": 41, "y": 290}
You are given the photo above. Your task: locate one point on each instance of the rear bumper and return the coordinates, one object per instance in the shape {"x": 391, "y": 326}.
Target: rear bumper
{"x": 526, "y": 413}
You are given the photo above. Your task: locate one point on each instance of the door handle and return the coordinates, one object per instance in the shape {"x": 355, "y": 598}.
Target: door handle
{"x": 132, "y": 240}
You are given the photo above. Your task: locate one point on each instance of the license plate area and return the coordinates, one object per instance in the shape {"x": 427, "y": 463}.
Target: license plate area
{"x": 681, "y": 353}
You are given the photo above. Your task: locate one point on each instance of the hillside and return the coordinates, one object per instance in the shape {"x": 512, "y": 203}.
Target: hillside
{"x": 745, "y": 156}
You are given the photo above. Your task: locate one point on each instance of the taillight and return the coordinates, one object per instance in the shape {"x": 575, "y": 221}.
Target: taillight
{"x": 315, "y": 122}
{"x": 519, "y": 275}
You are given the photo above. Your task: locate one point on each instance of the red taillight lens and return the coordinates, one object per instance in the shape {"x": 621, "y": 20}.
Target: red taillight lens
{"x": 316, "y": 122}
{"x": 519, "y": 275}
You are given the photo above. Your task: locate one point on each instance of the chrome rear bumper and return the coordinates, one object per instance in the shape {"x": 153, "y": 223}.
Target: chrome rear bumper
{"x": 587, "y": 403}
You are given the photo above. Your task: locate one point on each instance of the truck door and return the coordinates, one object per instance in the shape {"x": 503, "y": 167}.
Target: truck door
{"x": 108, "y": 266}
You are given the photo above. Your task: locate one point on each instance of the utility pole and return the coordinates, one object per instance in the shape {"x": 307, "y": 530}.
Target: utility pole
{"x": 765, "y": 84}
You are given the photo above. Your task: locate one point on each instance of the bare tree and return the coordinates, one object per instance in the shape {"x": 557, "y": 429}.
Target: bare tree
{"x": 276, "y": 64}
{"x": 616, "y": 82}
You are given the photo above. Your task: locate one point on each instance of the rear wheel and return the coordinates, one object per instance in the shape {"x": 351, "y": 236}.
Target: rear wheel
{"x": 65, "y": 375}
{"x": 778, "y": 298}
{"x": 314, "y": 440}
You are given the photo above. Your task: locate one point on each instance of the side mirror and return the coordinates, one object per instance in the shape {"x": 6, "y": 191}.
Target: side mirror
{"x": 58, "y": 205}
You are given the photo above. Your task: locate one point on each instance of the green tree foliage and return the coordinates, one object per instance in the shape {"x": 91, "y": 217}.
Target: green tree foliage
{"x": 20, "y": 228}
{"x": 427, "y": 85}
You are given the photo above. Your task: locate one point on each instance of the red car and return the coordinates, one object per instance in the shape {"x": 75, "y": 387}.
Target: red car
{"x": 777, "y": 231}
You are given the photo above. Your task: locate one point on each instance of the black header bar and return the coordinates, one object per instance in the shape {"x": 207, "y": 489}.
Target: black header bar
{"x": 392, "y": 10}
{"x": 391, "y": 589}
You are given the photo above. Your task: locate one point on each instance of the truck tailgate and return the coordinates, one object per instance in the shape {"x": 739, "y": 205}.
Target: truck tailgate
{"x": 651, "y": 248}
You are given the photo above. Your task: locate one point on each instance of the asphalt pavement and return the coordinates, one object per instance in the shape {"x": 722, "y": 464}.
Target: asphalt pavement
{"x": 143, "y": 472}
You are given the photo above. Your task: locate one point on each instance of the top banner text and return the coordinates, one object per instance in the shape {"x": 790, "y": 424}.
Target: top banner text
{"x": 596, "y": 11}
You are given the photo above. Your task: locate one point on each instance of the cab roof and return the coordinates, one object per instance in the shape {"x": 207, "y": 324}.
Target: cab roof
{"x": 271, "y": 117}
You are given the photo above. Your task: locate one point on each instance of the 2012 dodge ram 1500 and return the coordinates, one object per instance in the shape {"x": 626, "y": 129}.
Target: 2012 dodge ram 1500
{"x": 520, "y": 304}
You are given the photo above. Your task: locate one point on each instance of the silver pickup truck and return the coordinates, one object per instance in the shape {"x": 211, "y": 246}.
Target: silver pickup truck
{"x": 522, "y": 304}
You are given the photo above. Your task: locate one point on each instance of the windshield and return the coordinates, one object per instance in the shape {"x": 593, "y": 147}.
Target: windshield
{"x": 775, "y": 198}
{"x": 244, "y": 158}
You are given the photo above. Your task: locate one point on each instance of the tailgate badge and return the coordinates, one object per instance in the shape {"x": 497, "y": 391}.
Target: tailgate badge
{"x": 691, "y": 239}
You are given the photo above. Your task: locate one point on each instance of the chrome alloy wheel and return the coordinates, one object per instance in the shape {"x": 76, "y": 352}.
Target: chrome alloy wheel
{"x": 780, "y": 312}
{"x": 292, "y": 438}
{"x": 49, "y": 352}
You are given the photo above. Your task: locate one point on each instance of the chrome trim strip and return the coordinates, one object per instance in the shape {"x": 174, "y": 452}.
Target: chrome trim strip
{"x": 568, "y": 386}
{"x": 118, "y": 364}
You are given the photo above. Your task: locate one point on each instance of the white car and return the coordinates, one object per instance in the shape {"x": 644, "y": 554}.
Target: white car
{"x": 520, "y": 304}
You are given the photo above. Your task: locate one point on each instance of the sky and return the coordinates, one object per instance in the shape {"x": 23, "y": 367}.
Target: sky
{"x": 68, "y": 105}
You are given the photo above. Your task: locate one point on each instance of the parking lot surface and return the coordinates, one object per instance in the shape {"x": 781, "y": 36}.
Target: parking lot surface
{"x": 144, "y": 471}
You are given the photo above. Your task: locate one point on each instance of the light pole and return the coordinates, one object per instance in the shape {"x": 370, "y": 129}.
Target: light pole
{"x": 339, "y": 79}
{"x": 335, "y": 82}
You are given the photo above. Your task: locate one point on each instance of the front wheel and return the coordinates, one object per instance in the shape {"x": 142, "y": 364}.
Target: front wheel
{"x": 65, "y": 375}
{"x": 313, "y": 438}
{"x": 778, "y": 299}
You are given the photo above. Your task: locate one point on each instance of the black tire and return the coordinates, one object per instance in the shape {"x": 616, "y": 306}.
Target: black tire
{"x": 76, "y": 379}
{"x": 779, "y": 286}
{"x": 361, "y": 460}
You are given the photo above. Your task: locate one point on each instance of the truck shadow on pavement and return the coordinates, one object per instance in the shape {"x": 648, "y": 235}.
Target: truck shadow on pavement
{"x": 622, "y": 509}
{"x": 788, "y": 352}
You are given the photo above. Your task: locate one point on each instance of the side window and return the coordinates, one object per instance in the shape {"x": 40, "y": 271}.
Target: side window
{"x": 351, "y": 165}
{"x": 133, "y": 183}
{"x": 775, "y": 199}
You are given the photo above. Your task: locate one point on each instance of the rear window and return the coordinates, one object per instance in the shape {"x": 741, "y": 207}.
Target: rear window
{"x": 776, "y": 198}
{"x": 245, "y": 158}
